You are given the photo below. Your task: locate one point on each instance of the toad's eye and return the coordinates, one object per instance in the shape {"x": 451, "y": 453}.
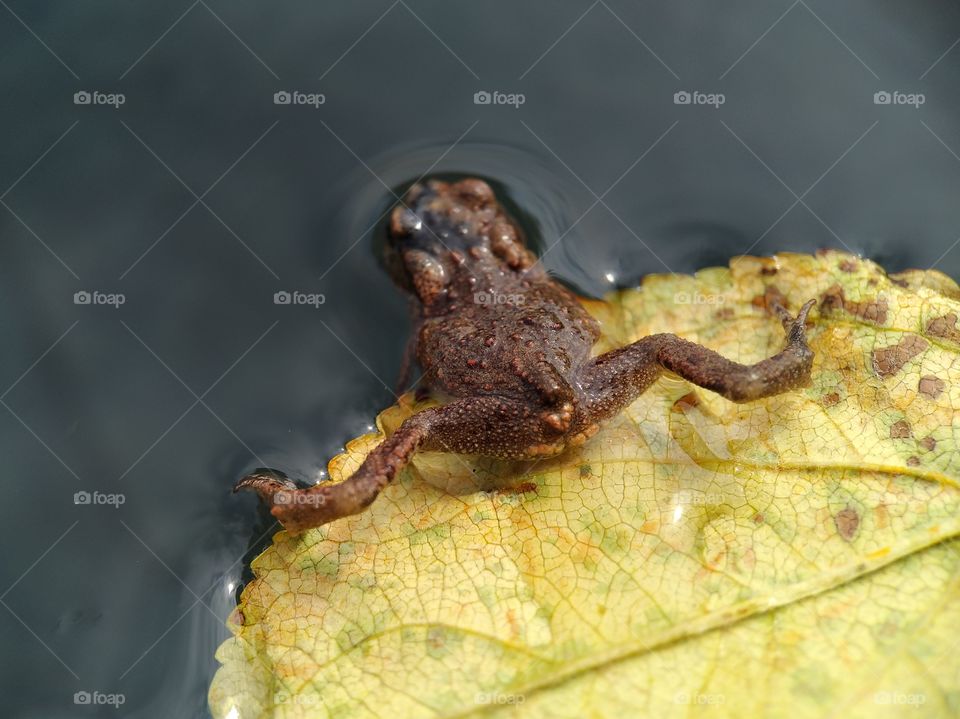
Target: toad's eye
{"x": 404, "y": 222}
{"x": 475, "y": 193}
{"x": 427, "y": 273}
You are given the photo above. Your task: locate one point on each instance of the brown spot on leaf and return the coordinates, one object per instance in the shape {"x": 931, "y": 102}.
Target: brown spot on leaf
{"x": 521, "y": 488}
{"x": 768, "y": 271}
{"x": 931, "y": 386}
{"x": 834, "y": 299}
{"x": 881, "y": 516}
{"x": 436, "y": 638}
{"x": 928, "y": 443}
{"x": 848, "y": 266}
{"x": 900, "y": 430}
{"x": 847, "y": 522}
{"x": 650, "y": 527}
{"x": 688, "y": 401}
{"x": 828, "y": 400}
{"x": 945, "y": 327}
{"x": 900, "y": 282}
{"x": 913, "y": 461}
{"x": 514, "y": 624}
{"x": 725, "y": 313}
{"x": 771, "y": 297}
{"x": 890, "y": 360}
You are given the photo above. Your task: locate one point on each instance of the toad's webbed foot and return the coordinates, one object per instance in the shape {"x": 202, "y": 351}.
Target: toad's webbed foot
{"x": 615, "y": 379}
{"x": 265, "y": 481}
{"x": 486, "y": 425}
{"x": 795, "y": 327}
{"x": 300, "y": 509}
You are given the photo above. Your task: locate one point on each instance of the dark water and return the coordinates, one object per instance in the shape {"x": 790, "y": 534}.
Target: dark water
{"x": 199, "y": 376}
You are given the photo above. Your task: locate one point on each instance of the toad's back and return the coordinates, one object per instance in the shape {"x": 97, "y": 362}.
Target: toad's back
{"x": 499, "y": 342}
{"x": 494, "y": 323}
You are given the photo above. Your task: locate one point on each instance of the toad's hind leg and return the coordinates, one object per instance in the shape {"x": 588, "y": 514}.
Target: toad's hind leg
{"x": 476, "y": 425}
{"x": 613, "y": 380}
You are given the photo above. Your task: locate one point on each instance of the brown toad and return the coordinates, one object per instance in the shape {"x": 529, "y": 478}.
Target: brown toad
{"x": 509, "y": 349}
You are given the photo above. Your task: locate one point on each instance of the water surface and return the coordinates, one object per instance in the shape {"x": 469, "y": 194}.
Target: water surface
{"x": 199, "y": 376}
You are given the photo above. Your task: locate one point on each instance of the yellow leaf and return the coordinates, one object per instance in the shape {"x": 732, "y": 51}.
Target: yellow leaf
{"x": 790, "y": 557}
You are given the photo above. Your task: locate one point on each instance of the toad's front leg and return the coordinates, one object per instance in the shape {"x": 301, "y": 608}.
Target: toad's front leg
{"x": 485, "y": 425}
{"x": 613, "y": 380}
